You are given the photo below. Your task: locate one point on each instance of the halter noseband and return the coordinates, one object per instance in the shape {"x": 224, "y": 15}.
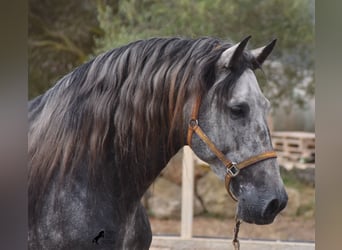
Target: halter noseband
{"x": 232, "y": 168}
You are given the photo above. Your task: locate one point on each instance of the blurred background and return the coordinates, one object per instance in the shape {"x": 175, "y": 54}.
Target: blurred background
{"x": 64, "y": 34}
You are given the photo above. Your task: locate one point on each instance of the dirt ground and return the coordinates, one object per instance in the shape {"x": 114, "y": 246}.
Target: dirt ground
{"x": 283, "y": 228}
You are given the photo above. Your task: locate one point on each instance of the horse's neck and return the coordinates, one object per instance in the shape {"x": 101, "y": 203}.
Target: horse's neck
{"x": 146, "y": 173}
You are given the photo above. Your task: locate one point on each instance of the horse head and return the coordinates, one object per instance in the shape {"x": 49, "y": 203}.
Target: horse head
{"x": 233, "y": 114}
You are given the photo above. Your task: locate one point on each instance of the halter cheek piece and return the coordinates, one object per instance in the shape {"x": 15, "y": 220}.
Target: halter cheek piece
{"x": 232, "y": 168}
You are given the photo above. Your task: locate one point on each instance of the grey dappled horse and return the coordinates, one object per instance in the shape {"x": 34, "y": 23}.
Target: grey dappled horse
{"x": 104, "y": 132}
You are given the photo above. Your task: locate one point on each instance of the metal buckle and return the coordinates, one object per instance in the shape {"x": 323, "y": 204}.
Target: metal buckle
{"x": 233, "y": 171}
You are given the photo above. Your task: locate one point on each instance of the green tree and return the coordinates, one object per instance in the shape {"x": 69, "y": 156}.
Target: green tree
{"x": 60, "y": 37}
{"x": 291, "y": 22}
{"x": 118, "y": 22}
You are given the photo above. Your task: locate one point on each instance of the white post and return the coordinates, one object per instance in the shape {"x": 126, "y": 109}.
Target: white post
{"x": 187, "y": 193}
{"x": 270, "y": 123}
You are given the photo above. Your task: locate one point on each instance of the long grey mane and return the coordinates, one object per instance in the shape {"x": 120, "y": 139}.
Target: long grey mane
{"x": 125, "y": 104}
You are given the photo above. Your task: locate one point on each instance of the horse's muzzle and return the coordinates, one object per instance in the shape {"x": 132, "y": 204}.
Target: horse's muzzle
{"x": 261, "y": 210}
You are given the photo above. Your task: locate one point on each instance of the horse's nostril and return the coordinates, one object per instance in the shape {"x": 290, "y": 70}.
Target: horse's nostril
{"x": 272, "y": 208}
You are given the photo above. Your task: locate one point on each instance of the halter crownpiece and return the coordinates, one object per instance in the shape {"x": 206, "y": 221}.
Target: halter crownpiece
{"x": 232, "y": 168}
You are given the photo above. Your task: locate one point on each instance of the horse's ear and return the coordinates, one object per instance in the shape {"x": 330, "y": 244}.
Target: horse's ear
{"x": 261, "y": 54}
{"x": 231, "y": 56}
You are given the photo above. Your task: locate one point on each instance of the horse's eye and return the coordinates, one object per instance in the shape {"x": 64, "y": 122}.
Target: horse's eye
{"x": 239, "y": 111}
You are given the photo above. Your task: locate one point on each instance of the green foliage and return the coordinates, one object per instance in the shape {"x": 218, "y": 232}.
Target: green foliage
{"x": 60, "y": 38}
{"x": 307, "y": 209}
{"x": 290, "y": 179}
{"x": 291, "y": 22}
{"x": 207, "y": 214}
{"x": 306, "y": 191}
{"x": 68, "y": 33}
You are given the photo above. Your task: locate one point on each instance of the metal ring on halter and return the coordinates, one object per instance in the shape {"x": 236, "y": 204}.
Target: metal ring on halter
{"x": 193, "y": 123}
{"x": 233, "y": 170}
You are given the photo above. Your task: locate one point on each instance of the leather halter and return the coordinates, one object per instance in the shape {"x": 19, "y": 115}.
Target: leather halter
{"x": 232, "y": 168}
